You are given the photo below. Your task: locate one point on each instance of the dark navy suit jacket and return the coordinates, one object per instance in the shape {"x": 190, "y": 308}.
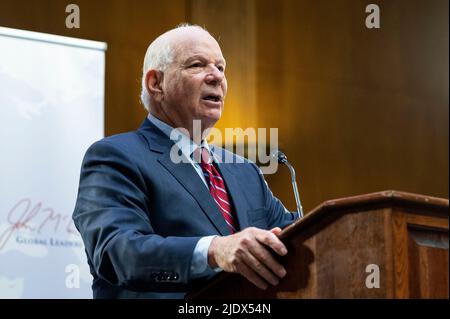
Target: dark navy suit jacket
{"x": 141, "y": 215}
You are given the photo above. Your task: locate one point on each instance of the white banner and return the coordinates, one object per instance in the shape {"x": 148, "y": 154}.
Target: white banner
{"x": 51, "y": 110}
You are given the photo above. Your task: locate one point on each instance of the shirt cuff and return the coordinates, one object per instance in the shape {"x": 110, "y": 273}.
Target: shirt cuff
{"x": 199, "y": 264}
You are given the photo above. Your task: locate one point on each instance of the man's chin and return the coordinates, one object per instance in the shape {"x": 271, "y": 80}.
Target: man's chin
{"x": 211, "y": 118}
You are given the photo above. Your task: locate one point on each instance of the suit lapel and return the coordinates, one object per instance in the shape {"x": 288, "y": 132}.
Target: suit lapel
{"x": 185, "y": 174}
{"x": 188, "y": 177}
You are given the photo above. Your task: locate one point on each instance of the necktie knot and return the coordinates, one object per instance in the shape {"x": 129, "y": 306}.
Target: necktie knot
{"x": 206, "y": 159}
{"x": 201, "y": 155}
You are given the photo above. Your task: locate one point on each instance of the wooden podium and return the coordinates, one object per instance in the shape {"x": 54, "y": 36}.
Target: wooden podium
{"x": 389, "y": 244}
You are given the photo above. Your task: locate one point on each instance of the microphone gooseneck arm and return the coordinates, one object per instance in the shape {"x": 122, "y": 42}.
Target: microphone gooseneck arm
{"x": 294, "y": 186}
{"x": 283, "y": 160}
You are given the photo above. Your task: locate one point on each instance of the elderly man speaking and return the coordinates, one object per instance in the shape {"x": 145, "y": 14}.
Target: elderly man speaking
{"x": 153, "y": 226}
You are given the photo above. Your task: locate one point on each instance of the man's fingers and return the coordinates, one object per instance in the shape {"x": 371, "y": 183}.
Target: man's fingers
{"x": 261, "y": 269}
{"x": 252, "y": 256}
{"x": 251, "y": 276}
{"x": 269, "y": 239}
{"x": 276, "y": 231}
{"x": 261, "y": 253}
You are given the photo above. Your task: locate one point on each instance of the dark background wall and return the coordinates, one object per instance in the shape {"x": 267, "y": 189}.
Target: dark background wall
{"x": 358, "y": 110}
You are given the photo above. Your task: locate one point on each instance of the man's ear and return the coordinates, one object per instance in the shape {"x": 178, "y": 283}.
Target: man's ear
{"x": 153, "y": 81}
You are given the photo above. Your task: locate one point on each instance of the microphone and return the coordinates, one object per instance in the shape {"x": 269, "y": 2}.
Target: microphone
{"x": 282, "y": 159}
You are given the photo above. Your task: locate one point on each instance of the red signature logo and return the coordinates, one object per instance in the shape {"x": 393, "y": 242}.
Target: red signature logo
{"x": 23, "y": 214}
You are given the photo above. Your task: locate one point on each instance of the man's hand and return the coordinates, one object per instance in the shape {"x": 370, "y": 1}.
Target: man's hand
{"x": 248, "y": 253}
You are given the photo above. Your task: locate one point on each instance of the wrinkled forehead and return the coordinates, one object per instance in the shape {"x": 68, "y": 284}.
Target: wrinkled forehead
{"x": 195, "y": 43}
{"x": 178, "y": 45}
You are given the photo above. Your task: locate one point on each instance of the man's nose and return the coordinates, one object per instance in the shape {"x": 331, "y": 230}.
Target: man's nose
{"x": 214, "y": 76}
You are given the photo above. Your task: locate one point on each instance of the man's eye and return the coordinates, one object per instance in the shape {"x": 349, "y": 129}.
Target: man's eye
{"x": 195, "y": 65}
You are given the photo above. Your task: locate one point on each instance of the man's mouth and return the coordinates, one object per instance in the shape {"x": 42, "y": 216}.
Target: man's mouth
{"x": 213, "y": 97}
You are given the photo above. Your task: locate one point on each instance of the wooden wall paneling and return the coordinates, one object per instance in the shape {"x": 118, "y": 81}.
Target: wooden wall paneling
{"x": 232, "y": 23}
{"x": 361, "y": 110}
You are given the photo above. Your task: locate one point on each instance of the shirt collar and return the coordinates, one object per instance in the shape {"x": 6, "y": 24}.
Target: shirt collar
{"x": 184, "y": 143}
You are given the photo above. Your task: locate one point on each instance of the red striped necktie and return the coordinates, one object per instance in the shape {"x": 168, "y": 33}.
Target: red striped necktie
{"x": 218, "y": 190}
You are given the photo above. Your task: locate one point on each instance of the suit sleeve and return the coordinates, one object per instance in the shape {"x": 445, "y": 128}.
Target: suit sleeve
{"x": 111, "y": 216}
{"x": 278, "y": 215}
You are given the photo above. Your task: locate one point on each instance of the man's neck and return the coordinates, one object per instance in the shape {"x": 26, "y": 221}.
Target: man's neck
{"x": 193, "y": 132}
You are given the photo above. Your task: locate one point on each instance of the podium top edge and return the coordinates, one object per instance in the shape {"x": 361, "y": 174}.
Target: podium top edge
{"x": 388, "y": 198}
{"x": 387, "y": 195}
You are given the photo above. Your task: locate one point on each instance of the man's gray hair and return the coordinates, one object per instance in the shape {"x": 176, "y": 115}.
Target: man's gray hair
{"x": 158, "y": 57}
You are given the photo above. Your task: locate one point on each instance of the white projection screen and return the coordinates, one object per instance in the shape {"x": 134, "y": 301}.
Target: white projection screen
{"x": 51, "y": 110}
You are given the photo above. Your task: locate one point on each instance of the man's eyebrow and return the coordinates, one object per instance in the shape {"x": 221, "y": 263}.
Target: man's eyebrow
{"x": 201, "y": 57}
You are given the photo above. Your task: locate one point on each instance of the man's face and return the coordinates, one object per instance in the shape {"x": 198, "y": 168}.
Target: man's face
{"x": 194, "y": 84}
